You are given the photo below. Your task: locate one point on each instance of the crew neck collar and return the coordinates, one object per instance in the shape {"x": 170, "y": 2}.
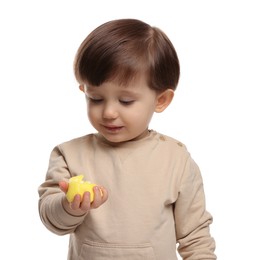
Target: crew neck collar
{"x": 126, "y": 143}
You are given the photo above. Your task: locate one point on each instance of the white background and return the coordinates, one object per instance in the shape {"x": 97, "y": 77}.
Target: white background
{"x": 215, "y": 110}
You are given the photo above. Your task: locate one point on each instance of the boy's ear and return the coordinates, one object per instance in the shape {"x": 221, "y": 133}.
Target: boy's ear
{"x": 163, "y": 100}
{"x": 81, "y": 87}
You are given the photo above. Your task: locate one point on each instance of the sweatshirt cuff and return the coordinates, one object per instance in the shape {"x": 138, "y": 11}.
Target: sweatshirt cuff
{"x": 62, "y": 219}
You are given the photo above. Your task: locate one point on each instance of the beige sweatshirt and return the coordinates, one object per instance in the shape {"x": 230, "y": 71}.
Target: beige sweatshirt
{"x": 156, "y": 200}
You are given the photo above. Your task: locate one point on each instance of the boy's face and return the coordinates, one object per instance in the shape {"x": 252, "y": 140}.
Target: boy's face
{"x": 121, "y": 113}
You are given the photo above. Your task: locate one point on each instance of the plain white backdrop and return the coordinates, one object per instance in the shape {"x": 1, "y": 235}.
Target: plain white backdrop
{"x": 215, "y": 111}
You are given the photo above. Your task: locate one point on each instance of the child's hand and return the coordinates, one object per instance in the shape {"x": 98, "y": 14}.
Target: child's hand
{"x": 78, "y": 207}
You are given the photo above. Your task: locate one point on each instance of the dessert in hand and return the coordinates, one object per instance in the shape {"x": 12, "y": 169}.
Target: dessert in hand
{"x": 78, "y": 186}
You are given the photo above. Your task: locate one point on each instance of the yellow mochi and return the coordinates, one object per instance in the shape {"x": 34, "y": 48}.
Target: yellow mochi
{"x": 78, "y": 186}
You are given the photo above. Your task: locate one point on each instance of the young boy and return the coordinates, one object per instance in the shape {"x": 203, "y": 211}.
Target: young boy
{"x": 152, "y": 195}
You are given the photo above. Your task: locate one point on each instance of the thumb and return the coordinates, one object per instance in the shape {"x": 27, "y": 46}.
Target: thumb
{"x": 64, "y": 186}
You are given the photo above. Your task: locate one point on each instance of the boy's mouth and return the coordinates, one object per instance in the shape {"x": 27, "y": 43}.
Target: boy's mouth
{"x": 113, "y": 128}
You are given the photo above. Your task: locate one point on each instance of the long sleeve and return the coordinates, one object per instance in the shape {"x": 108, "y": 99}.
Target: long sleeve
{"x": 51, "y": 211}
{"x": 192, "y": 219}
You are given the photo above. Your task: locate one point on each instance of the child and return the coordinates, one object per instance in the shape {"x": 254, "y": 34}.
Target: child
{"x": 151, "y": 194}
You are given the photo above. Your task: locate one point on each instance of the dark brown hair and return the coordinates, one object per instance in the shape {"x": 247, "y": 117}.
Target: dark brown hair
{"x": 122, "y": 49}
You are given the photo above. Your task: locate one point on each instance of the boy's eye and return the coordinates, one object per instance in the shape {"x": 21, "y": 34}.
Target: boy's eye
{"x": 126, "y": 102}
{"x": 95, "y": 100}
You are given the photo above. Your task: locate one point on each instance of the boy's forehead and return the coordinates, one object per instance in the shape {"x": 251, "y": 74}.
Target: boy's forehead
{"x": 106, "y": 86}
{"x": 131, "y": 88}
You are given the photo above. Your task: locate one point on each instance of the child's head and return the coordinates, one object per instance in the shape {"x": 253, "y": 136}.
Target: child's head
{"x": 120, "y": 50}
{"x": 128, "y": 70}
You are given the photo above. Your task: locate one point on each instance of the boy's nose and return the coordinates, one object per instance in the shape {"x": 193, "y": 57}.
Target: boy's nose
{"x": 110, "y": 112}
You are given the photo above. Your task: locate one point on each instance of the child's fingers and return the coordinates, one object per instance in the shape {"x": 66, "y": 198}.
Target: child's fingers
{"x": 100, "y": 196}
{"x": 75, "y": 204}
{"x": 104, "y": 194}
{"x": 97, "y": 198}
{"x": 85, "y": 204}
